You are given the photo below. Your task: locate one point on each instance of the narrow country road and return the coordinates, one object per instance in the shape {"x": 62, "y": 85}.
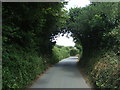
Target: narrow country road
{"x": 62, "y": 75}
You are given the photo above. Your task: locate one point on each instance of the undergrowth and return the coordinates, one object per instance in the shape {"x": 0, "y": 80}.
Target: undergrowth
{"x": 103, "y": 69}
{"x": 22, "y": 66}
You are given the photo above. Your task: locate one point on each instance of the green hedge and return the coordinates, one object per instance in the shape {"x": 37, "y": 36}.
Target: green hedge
{"x": 105, "y": 72}
{"x": 61, "y": 52}
{"x": 74, "y": 52}
{"x": 102, "y": 68}
{"x": 20, "y": 67}
{"x": 27, "y": 33}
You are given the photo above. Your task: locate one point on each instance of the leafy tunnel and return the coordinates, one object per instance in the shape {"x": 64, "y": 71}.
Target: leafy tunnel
{"x": 30, "y": 28}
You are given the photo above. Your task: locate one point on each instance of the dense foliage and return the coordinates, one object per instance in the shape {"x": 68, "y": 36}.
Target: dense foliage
{"x": 74, "y": 52}
{"x": 20, "y": 68}
{"x": 28, "y": 31}
{"x": 61, "y": 52}
{"x": 94, "y": 24}
{"x": 97, "y": 28}
{"x": 30, "y": 28}
{"x": 31, "y": 25}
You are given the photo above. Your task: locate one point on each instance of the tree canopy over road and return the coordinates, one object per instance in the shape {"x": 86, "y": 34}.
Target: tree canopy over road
{"x": 30, "y": 28}
{"x": 97, "y": 28}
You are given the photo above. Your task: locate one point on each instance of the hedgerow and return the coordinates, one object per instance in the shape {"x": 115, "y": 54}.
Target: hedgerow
{"x": 97, "y": 28}
{"x": 28, "y": 33}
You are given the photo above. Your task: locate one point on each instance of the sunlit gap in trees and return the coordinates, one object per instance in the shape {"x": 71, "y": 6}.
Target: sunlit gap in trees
{"x": 64, "y": 39}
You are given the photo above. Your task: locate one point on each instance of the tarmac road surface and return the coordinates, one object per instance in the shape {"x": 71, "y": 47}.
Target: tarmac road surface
{"x": 64, "y": 74}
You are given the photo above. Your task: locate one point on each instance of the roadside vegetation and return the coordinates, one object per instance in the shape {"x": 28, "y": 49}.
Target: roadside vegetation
{"x": 65, "y": 51}
{"x": 74, "y": 52}
{"x": 29, "y": 31}
{"x": 28, "y": 48}
{"x": 97, "y": 28}
{"x": 61, "y": 52}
